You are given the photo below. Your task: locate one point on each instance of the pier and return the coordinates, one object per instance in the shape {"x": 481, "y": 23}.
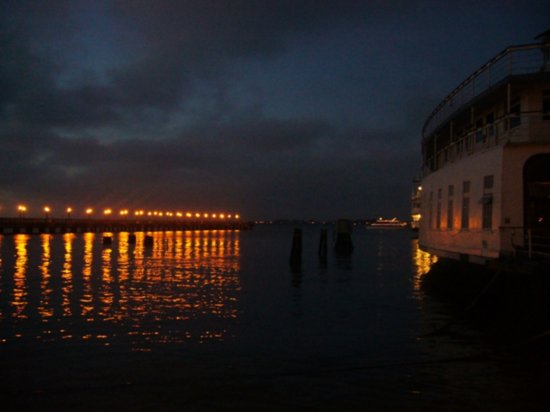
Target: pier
{"x": 9, "y": 226}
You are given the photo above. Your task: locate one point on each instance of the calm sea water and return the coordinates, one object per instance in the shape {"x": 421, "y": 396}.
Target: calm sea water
{"x": 217, "y": 320}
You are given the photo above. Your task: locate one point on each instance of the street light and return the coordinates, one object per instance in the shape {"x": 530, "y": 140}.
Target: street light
{"x": 47, "y": 211}
{"x": 89, "y": 211}
{"x": 21, "y": 209}
{"x": 69, "y": 211}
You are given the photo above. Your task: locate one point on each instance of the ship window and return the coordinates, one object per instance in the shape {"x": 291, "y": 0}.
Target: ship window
{"x": 438, "y": 216}
{"x": 465, "y": 218}
{"x": 466, "y": 186}
{"x": 490, "y": 119}
{"x": 450, "y": 216}
{"x": 487, "y": 211}
{"x": 488, "y": 182}
{"x": 465, "y": 221}
{"x": 480, "y": 137}
{"x": 515, "y": 113}
{"x": 546, "y": 105}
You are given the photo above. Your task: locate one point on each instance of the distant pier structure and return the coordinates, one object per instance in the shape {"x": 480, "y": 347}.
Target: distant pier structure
{"x": 38, "y": 226}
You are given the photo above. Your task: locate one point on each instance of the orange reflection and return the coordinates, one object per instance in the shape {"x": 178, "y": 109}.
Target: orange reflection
{"x": 184, "y": 287}
{"x": 44, "y": 308}
{"x": 20, "y": 293}
{"x": 86, "y": 302}
{"x": 422, "y": 263}
{"x": 67, "y": 274}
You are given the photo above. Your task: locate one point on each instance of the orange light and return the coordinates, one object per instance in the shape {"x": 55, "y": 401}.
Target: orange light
{"x": 47, "y": 209}
{"x": 69, "y": 209}
{"x": 229, "y": 216}
{"x": 22, "y": 208}
{"x": 206, "y": 215}
{"x": 107, "y": 211}
{"x": 188, "y": 214}
{"x": 197, "y": 215}
{"x": 89, "y": 211}
{"x": 214, "y": 215}
{"x": 237, "y": 217}
{"x": 222, "y": 216}
{"x": 179, "y": 214}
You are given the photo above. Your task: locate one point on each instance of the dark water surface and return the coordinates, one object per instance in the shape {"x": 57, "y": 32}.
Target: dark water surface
{"x": 217, "y": 320}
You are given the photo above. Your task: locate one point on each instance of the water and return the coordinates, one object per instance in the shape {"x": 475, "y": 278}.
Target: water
{"x": 218, "y": 321}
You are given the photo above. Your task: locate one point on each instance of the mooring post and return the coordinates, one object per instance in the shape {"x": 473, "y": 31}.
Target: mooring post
{"x": 323, "y": 246}
{"x": 148, "y": 240}
{"x": 344, "y": 245}
{"x": 107, "y": 240}
{"x": 296, "y": 250}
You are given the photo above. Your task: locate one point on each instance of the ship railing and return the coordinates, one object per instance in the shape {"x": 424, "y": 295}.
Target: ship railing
{"x": 533, "y": 244}
{"x": 532, "y": 126}
{"x": 515, "y": 60}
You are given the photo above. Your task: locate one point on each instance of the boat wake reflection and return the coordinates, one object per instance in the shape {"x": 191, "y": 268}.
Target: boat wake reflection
{"x": 183, "y": 289}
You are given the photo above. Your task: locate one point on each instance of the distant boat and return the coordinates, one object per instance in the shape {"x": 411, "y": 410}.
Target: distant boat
{"x": 382, "y": 223}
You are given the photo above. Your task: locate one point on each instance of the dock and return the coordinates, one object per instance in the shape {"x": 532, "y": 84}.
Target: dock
{"x": 11, "y": 226}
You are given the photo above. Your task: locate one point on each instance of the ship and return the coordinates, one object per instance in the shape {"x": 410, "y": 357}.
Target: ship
{"x": 382, "y": 223}
{"x": 485, "y": 175}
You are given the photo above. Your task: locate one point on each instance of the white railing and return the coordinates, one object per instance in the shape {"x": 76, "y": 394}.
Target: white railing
{"x": 530, "y": 127}
{"x": 515, "y": 60}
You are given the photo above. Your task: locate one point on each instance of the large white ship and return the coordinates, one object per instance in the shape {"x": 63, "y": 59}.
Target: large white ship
{"x": 486, "y": 161}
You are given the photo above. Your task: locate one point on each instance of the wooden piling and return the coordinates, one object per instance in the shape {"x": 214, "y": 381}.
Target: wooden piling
{"x": 323, "y": 246}
{"x": 296, "y": 250}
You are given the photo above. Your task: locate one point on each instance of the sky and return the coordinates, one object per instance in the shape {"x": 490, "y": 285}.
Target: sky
{"x": 271, "y": 109}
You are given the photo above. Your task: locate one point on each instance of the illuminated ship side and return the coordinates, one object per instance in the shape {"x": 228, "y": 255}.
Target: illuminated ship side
{"x": 486, "y": 161}
{"x": 382, "y": 223}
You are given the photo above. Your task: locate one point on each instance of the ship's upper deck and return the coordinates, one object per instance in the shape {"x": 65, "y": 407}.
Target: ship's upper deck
{"x": 506, "y": 99}
{"x": 512, "y": 61}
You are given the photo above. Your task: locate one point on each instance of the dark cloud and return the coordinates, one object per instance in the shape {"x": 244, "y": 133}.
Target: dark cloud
{"x": 273, "y": 108}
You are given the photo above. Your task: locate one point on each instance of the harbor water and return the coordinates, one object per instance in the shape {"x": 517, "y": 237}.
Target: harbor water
{"x": 219, "y": 320}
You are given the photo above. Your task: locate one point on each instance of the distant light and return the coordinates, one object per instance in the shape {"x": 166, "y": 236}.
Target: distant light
{"x": 237, "y": 217}
{"x": 47, "y": 209}
{"x": 197, "y": 215}
{"x": 419, "y": 187}
{"x": 89, "y": 211}
{"x": 179, "y": 214}
{"x": 69, "y": 209}
{"x": 214, "y": 215}
{"x": 188, "y": 214}
{"x": 107, "y": 211}
{"x": 229, "y": 216}
{"x": 22, "y": 208}
{"x": 222, "y": 216}
{"x": 206, "y": 215}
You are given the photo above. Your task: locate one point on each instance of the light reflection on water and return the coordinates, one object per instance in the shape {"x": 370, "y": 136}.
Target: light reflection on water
{"x": 214, "y": 320}
{"x": 184, "y": 288}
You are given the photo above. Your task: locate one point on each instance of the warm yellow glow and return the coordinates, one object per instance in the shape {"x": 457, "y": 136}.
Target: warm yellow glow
{"x": 149, "y": 213}
{"x": 161, "y": 214}
{"x": 229, "y": 216}
{"x": 206, "y": 215}
{"x": 179, "y": 214}
{"x": 188, "y": 214}
{"x": 22, "y": 208}
{"x": 107, "y": 211}
{"x": 419, "y": 187}
{"x": 197, "y": 215}
{"x": 222, "y": 216}
{"x": 69, "y": 209}
{"x": 47, "y": 209}
{"x": 89, "y": 211}
{"x": 123, "y": 212}
{"x": 237, "y": 217}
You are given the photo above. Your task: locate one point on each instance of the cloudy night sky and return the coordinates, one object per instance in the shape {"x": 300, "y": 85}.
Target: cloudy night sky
{"x": 274, "y": 109}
